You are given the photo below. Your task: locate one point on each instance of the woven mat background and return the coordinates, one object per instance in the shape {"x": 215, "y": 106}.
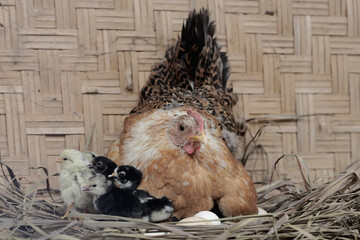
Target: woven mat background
{"x": 66, "y": 64}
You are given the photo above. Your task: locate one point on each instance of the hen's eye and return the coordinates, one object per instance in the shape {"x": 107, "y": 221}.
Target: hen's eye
{"x": 181, "y": 128}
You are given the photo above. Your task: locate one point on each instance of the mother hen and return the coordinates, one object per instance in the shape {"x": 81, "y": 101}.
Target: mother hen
{"x": 183, "y": 132}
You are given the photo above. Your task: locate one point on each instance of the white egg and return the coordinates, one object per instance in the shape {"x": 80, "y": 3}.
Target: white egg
{"x": 209, "y": 216}
{"x": 193, "y": 221}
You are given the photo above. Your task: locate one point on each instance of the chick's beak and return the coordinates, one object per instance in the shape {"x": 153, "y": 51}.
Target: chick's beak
{"x": 85, "y": 189}
{"x": 112, "y": 175}
{"x": 201, "y": 138}
{"x": 58, "y": 160}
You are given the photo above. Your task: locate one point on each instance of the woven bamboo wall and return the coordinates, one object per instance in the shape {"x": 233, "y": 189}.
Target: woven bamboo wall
{"x": 66, "y": 64}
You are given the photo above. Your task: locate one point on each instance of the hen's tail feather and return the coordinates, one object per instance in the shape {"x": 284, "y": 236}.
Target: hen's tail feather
{"x": 194, "y": 62}
{"x": 196, "y": 28}
{"x": 197, "y": 36}
{"x": 226, "y": 69}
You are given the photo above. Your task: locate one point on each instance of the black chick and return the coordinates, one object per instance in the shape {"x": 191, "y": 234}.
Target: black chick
{"x": 111, "y": 200}
{"x": 108, "y": 199}
{"x": 158, "y": 209}
{"x": 103, "y": 165}
{"x": 129, "y": 178}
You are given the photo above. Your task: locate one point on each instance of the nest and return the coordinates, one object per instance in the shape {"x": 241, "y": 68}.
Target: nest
{"x": 329, "y": 210}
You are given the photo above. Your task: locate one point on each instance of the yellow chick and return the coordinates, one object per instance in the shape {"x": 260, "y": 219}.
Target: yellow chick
{"x": 74, "y": 173}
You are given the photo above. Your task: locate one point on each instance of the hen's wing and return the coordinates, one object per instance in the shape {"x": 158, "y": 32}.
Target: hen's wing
{"x": 195, "y": 73}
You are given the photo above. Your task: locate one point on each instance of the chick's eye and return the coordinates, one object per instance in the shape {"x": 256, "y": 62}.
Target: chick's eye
{"x": 181, "y": 127}
{"x": 98, "y": 163}
{"x": 122, "y": 174}
{"x": 94, "y": 185}
{"x": 65, "y": 159}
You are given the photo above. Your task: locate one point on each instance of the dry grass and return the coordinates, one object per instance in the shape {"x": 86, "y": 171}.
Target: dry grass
{"x": 323, "y": 211}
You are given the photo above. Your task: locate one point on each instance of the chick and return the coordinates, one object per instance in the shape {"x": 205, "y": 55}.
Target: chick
{"x": 74, "y": 172}
{"x": 108, "y": 199}
{"x": 111, "y": 200}
{"x": 129, "y": 178}
{"x": 102, "y": 165}
{"x": 158, "y": 209}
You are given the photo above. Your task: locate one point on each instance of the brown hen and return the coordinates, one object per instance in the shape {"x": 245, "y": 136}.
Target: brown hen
{"x": 182, "y": 135}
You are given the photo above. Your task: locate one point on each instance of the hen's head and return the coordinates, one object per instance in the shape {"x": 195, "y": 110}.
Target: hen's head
{"x": 159, "y": 133}
{"x": 187, "y": 131}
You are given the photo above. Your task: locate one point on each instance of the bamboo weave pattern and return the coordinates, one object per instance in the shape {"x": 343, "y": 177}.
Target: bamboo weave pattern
{"x": 66, "y": 64}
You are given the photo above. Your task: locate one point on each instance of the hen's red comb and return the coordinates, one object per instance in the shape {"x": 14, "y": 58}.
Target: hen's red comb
{"x": 196, "y": 115}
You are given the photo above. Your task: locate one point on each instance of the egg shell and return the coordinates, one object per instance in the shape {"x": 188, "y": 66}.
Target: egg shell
{"x": 261, "y": 211}
{"x": 209, "y": 216}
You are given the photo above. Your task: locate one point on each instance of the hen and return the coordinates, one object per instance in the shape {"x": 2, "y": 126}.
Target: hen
{"x": 182, "y": 135}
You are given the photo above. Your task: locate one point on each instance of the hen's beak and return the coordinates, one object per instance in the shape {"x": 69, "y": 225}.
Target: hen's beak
{"x": 112, "y": 175}
{"x": 199, "y": 138}
{"x": 58, "y": 160}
